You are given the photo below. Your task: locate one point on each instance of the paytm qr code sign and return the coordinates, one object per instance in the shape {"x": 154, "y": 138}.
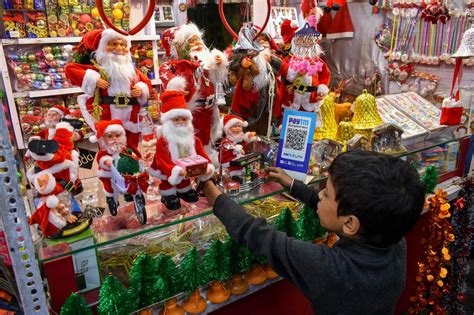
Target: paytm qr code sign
{"x": 295, "y": 141}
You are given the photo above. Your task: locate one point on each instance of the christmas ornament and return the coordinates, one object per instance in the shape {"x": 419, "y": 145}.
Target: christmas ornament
{"x": 239, "y": 261}
{"x": 217, "y": 266}
{"x": 193, "y": 277}
{"x": 366, "y": 115}
{"x": 328, "y": 114}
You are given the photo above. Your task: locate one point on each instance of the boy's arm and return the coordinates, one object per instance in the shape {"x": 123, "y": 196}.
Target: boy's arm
{"x": 307, "y": 194}
{"x": 303, "y": 263}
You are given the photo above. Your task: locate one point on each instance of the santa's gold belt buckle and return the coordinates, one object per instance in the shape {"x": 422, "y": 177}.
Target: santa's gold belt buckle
{"x": 121, "y": 100}
{"x": 300, "y": 88}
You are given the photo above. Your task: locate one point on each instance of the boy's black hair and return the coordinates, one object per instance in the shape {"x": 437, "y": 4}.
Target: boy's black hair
{"x": 382, "y": 191}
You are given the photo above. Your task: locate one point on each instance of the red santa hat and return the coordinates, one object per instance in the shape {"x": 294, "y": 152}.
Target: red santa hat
{"x": 185, "y": 32}
{"x": 97, "y": 40}
{"x": 61, "y": 110}
{"x": 173, "y": 105}
{"x": 307, "y": 6}
{"x": 341, "y": 25}
{"x": 288, "y": 29}
{"x": 167, "y": 39}
{"x": 230, "y": 120}
{"x": 104, "y": 126}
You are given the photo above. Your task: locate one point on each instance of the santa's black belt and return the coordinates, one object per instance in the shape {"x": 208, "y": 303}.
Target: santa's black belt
{"x": 303, "y": 88}
{"x": 204, "y": 101}
{"x": 119, "y": 100}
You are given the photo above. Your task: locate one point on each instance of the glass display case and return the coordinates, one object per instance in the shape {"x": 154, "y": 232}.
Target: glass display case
{"x": 112, "y": 244}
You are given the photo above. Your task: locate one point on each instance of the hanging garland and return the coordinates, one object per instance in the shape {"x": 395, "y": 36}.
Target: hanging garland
{"x": 434, "y": 264}
{"x": 461, "y": 222}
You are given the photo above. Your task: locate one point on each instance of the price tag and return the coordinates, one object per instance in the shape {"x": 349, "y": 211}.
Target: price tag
{"x": 296, "y": 139}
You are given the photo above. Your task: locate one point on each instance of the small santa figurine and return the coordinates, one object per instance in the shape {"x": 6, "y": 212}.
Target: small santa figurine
{"x": 200, "y": 71}
{"x": 52, "y": 214}
{"x": 307, "y": 76}
{"x": 56, "y": 157}
{"x": 113, "y": 88}
{"x": 53, "y": 117}
{"x": 112, "y": 139}
{"x": 176, "y": 140}
{"x": 232, "y": 144}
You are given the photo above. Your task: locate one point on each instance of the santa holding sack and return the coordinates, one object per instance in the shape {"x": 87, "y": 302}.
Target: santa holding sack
{"x": 200, "y": 74}
{"x": 176, "y": 141}
{"x": 113, "y": 88}
{"x": 232, "y": 144}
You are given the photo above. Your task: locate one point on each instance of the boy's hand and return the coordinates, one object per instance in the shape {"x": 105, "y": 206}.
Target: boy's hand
{"x": 211, "y": 191}
{"x": 276, "y": 174}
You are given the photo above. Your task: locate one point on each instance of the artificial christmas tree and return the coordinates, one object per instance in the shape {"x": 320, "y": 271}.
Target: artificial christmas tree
{"x": 113, "y": 298}
{"x": 193, "y": 277}
{"x": 143, "y": 277}
{"x": 75, "y": 305}
{"x": 430, "y": 178}
{"x": 239, "y": 261}
{"x": 217, "y": 267}
{"x": 171, "y": 276}
{"x": 308, "y": 227}
{"x": 285, "y": 222}
{"x": 257, "y": 275}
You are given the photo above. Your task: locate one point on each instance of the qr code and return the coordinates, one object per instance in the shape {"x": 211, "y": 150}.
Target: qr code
{"x": 295, "y": 139}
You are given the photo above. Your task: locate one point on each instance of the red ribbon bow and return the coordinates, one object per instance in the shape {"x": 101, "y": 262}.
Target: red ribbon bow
{"x": 133, "y": 182}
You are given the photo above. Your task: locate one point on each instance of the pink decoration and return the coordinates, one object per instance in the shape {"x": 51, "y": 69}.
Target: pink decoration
{"x": 312, "y": 20}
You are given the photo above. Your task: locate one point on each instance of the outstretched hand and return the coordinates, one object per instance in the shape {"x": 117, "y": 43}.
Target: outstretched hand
{"x": 276, "y": 174}
{"x": 136, "y": 91}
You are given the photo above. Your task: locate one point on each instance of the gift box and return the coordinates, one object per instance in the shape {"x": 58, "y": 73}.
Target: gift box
{"x": 194, "y": 165}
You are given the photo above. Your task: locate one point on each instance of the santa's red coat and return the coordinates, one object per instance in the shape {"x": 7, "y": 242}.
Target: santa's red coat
{"x": 82, "y": 76}
{"x": 230, "y": 151}
{"x": 163, "y": 162}
{"x": 41, "y": 215}
{"x": 42, "y": 135}
{"x": 203, "y": 116}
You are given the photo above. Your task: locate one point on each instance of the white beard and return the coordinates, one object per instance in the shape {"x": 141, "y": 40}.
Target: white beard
{"x": 113, "y": 147}
{"x": 236, "y": 137}
{"x": 261, "y": 80}
{"x": 183, "y": 136}
{"x": 202, "y": 55}
{"x": 316, "y": 48}
{"x": 50, "y": 123}
{"x": 119, "y": 69}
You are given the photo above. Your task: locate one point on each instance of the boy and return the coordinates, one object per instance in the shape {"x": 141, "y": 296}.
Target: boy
{"x": 371, "y": 201}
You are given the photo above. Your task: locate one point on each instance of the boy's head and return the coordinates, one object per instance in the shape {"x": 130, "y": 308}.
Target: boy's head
{"x": 373, "y": 196}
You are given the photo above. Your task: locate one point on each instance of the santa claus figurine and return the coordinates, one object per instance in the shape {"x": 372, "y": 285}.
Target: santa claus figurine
{"x": 308, "y": 76}
{"x": 112, "y": 139}
{"x": 113, "y": 88}
{"x": 56, "y": 157}
{"x": 51, "y": 214}
{"x": 177, "y": 142}
{"x": 200, "y": 71}
{"x": 232, "y": 144}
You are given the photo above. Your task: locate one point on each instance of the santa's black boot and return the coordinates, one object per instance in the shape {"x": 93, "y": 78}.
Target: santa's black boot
{"x": 113, "y": 206}
{"x": 189, "y": 196}
{"x": 42, "y": 147}
{"x": 171, "y": 202}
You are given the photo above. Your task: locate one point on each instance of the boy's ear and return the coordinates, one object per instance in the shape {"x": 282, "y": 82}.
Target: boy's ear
{"x": 351, "y": 225}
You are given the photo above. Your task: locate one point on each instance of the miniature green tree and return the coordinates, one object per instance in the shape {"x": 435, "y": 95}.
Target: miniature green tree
{"x": 75, "y": 305}
{"x": 160, "y": 289}
{"x": 285, "y": 222}
{"x": 113, "y": 298}
{"x": 216, "y": 262}
{"x": 142, "y": 279}
{"x": 192, "y": 271}
{"x": 170, "y": 274}
{"x": 430, "y": 178}
{"x": 308, "y": 227}
{"x": 245, "y": 259}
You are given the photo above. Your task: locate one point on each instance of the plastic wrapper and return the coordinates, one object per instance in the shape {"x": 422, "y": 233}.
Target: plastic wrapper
{"x": 38, "y": 67}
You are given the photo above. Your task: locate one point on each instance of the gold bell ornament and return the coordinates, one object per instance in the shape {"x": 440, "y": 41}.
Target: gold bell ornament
{"x": 366, "y": 117}
{"x": 328, "y": 117}
{"x": 345, "y": 131}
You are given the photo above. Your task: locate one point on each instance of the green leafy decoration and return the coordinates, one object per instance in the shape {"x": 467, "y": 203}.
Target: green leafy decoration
{"x": 216, "y": 262}
{"x": 308, "y": 227}
{"x": 168, "y": 271}
{"x": 75, "y": 305}
{"x": 245, "y": 259}
{"x": 430, "y": 178}
{"x": 142, "y": 277}
{"x": 160, "y": 289}
{"x": 127, "y": 165}
{"x": 192, "y": 272}
{"x": 113, "y": 298}
{"x": 285, "y": 222}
